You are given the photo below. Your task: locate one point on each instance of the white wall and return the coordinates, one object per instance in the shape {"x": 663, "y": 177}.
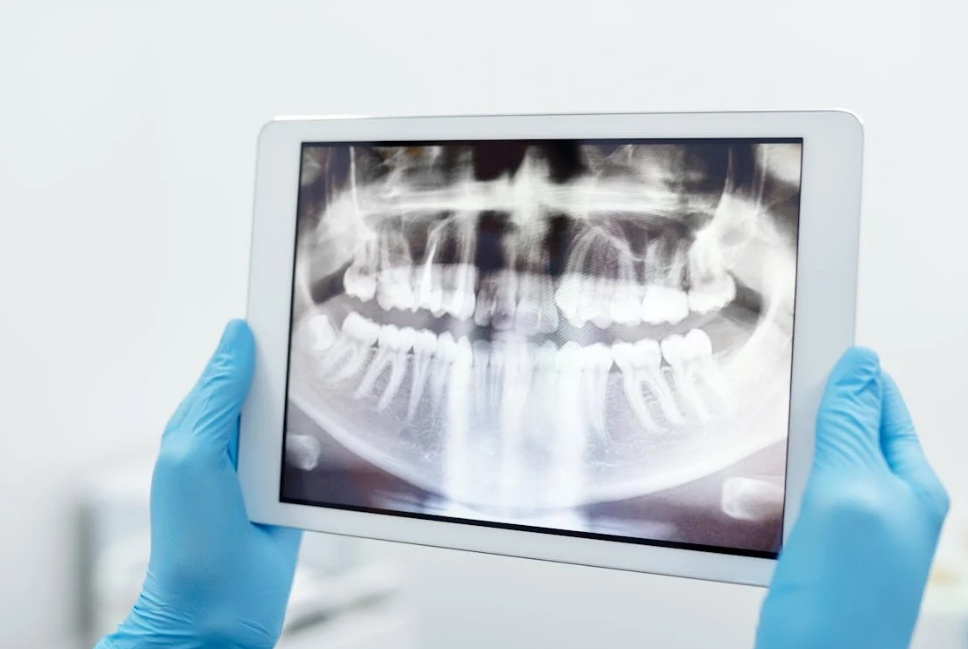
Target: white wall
{"x": 127, "y": 141}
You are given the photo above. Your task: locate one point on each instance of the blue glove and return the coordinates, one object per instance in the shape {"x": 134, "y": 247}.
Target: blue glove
{"x": 854, "y": 569}
{"x": 214, "y": 579}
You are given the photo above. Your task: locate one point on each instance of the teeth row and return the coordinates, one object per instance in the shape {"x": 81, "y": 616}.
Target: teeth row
{"x": 526, "y": 303}
{"x": 503, "y": 370}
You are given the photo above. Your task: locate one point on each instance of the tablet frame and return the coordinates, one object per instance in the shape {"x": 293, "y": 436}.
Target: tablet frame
{"x": 824, "y": 316}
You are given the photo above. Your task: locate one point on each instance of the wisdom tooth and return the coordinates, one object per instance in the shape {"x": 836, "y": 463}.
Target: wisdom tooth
{"x": 360, "y": 278}
{"x": 324, "y": 333}
{"x": 424, "y": 347}
{"x": 711, "y": 286}
{"x": 679, "y": 354}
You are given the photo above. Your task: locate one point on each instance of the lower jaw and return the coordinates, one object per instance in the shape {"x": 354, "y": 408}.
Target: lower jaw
{"x": 553, "y": 458}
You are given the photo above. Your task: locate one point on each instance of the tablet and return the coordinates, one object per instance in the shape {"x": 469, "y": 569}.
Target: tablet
{"x": 592, "y": 339}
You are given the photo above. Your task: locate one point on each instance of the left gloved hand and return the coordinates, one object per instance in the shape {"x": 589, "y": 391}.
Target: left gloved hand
{"x": 214, "y": 579}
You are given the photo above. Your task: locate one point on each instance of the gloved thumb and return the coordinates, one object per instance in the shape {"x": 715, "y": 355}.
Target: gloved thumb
{"x": 213, "y": 413}
{"x": 848, "y": 421}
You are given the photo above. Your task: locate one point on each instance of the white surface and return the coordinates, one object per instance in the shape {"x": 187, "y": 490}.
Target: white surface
{"x": 126, "y": 171}
{"x": 826, "y": 267}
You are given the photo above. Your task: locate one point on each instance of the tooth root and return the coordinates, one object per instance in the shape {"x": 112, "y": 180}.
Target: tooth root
{"x": 505, "y": 301}
{"x": 517, "y": 386}
{"x": 399, "y": 350}
{"x": 460, "y": 300}
{"x": 547, "y": 312}
{"x": 568, "y": 296}
{"x": 457, "y": 470}
{"x": 707, "y": 369}
{"x": 361, "y": 335}
{"x": 424, "y": 347}
{"x": 484, "y": 306}
{"x": 647, "y": 360}
{"x": 623, "y": 354}
{"x": 429, "y": 293}
{"x": 495, "y": 374}
{"x": 676, "y": 352}
{"x": 440, "y": 369}
{"x": 598, "y": 362}
{"x": 387, "y": 342}
{"x": 481, "y": 352}
{"x": 528, "y": 308}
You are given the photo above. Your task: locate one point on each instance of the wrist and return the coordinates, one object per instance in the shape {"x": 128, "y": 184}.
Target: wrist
{"x": 153, "y": 624}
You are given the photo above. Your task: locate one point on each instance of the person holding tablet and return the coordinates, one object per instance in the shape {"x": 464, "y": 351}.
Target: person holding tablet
{"x": 851, "y": 574}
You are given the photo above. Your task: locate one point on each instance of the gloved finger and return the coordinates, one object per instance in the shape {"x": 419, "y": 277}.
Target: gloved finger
{"x": 902, "y": 448}
{"x": 214, "y": 411}
{"x": 849, "y": 418}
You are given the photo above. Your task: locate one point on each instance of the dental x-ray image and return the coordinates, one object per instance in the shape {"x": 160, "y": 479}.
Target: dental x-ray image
{"x": 580, "y": 337}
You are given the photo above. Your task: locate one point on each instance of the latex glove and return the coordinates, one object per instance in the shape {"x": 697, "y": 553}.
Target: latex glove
{"x": 214, "y": 579}
{"x": 855, "y": 566}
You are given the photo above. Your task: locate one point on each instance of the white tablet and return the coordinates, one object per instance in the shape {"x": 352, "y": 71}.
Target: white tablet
{"x": 594, "y": 339}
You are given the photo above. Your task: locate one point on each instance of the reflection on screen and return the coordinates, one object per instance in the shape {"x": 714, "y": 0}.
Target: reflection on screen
{"x": 581, "y": 337}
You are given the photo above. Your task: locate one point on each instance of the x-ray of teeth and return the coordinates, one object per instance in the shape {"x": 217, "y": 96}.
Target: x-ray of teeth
{"x": 589, "y": 337}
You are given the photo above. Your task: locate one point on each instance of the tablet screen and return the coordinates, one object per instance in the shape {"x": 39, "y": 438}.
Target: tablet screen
{"x": 580, "y": 337}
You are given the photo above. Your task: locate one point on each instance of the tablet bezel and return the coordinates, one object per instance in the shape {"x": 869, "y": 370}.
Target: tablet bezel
{"x": 824, "y": 317}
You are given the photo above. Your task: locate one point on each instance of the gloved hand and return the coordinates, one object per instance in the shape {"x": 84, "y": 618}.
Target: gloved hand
{"x": 214, "y": 579}
{"x": 854, "y": 569}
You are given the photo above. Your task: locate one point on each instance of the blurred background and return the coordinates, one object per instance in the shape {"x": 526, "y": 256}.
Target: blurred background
{"x": 127, "y": 156}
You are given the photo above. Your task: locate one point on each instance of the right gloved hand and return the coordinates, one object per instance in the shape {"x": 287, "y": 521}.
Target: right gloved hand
{"x": 854, "y": 569}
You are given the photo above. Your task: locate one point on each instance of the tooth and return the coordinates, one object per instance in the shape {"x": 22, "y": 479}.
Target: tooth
{"x": 711, "y": 286}
{"x": 324, "y": 333}
{"x": 456, "y": 442}
{"x": 505, "y": 301}
{"x": 388, "y": 341}
{"x": 623, "y": 354}
{"x": 398, "y": 366}
{"x": 647, "y": 361}
{"x": 486, "y": 298}
{"x": 495, "y": 374}
{"x": 712, "y": 294}
{"x": 360, "y": 278}
{"x": 429, "y": 291}
{"x": 598, "y": 362}
{"x": 589, "y": 304}
{"x": 361, "y": 334}
{"x": 394, "y": 290}
{"x": 568, "y": 296}
{"x": 571, "y": 362}
{"x": 707, "y": 368}
{"x": 459, "y": 301}
{"x": 481, "y": 352}
{"x": 424, "y": 347}
{"x": 440, "y": 369}
{"x": 517, "y": 386}
{"x": 664, "y": 304}
{"x": 567, "y": 420}
{"x": 626, "y": 307}
{"x": 547, "y": 312}
{"x": 677, "y": 353}
{"x": 526, "y": 316}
